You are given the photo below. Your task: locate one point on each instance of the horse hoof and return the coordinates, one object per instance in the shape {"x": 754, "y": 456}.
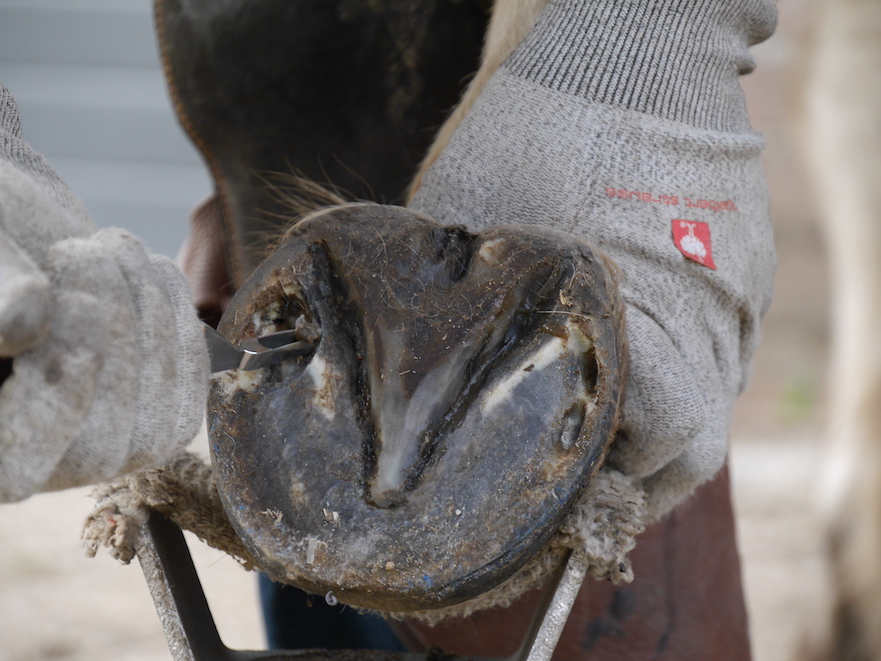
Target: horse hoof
{"x": 463, "y": 389}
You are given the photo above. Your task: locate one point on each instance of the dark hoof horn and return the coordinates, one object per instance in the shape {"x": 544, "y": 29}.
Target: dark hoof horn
{"x": 463, "y": 390}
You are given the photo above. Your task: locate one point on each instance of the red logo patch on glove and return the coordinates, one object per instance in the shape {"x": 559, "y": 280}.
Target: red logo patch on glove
{"x": 693, "y": 240}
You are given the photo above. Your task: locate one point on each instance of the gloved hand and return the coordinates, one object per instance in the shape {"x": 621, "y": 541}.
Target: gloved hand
{"x": 624, "y": 124}
{"x": 109, "y": 371}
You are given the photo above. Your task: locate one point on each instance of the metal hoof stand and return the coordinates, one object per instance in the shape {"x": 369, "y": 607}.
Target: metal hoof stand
{"x": 192, "y": 635}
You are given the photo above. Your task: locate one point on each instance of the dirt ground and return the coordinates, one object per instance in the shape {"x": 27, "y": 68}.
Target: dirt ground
{"x": 55, "y": 604}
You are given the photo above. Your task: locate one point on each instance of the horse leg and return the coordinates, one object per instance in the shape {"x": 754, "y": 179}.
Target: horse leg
{"x": 339, "y": 91}
{"x": 845, "y": 146}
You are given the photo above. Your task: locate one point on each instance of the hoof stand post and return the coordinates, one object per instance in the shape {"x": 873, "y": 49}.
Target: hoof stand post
{"x": 192, "y": 635}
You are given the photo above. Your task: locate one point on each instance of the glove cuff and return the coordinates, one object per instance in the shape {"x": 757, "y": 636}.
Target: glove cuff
{"x": 173, "y": 359}
{"x": 17, "y": 152}
{"x": 674, "y": 59}
{"x": 192, "y": 355}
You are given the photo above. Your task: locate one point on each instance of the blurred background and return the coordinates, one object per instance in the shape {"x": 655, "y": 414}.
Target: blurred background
{"x": 90, "y": 91}
{"x": 88, "y": 83}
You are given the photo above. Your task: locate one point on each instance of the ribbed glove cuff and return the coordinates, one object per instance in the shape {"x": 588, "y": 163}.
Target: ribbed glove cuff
{"x": 14, "y": 150}
{"x": 674, "y": 59}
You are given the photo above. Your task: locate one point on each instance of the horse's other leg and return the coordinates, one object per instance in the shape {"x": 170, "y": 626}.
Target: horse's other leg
{"x": 844, "y": 138}
{"x": 510, "y": 23}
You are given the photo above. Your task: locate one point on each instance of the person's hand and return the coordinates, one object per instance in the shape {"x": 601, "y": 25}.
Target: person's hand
{"x": 103, "y": 368}
{"x": 654, "y": 162}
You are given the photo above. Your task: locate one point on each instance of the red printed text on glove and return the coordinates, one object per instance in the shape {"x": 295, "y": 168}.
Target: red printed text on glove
{"x": 693, "y": 240}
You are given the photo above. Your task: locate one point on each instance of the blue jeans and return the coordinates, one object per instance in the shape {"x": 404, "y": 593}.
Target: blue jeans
{"x": 297, "y": 620}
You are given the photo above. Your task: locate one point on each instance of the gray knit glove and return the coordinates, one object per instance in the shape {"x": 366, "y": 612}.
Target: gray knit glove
{"x": 109, "y": 371}
{"x": 624, "y": 123}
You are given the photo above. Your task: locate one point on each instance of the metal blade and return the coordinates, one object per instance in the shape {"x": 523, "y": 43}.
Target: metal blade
{"x": 253, "y": 353}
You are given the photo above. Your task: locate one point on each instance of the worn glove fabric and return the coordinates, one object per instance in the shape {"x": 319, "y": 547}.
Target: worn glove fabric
{"x": 624, "y": 123}
{"x": 109, "y": 369}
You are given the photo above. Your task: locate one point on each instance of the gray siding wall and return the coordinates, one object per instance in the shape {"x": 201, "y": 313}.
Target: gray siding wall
{"x": 87, "y": 80}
